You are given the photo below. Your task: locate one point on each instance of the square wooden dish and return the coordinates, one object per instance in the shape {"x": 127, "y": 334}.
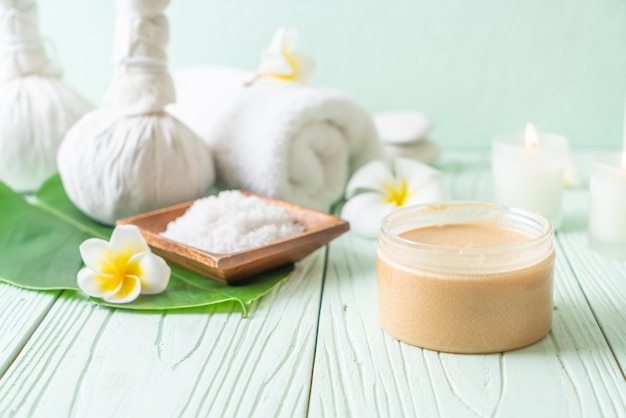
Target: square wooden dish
{"x": 320, "y": 228}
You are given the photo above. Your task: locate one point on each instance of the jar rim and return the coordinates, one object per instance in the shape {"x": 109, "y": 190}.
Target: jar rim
{"x": 441, "y": 206}
{"x": 537, "y": 247}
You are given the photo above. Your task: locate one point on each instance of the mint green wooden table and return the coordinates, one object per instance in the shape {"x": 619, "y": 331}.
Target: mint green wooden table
{"x": 314, "y": 347}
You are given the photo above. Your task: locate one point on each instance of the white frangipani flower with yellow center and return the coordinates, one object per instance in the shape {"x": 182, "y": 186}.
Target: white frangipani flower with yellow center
{"x": 282, "y": 62}
{"x": 375, "y": 190}
{"x": 120, "y": 270}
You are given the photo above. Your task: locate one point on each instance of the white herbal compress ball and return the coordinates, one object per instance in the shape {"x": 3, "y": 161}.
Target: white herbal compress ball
{"x": 133, "y": 156}
{"x": 36, "y": 108}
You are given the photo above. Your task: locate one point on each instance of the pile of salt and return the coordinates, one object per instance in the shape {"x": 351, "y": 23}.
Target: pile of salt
{"x": 231, "y": 222}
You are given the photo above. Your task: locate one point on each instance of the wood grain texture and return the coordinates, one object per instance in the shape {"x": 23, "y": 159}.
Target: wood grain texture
{"x": 602, "y": 279}
{"x": 361, "y": 371}
{"x": 21, "y": 312}
{"x": 66, "y": 357}
{"x": 89, "y": 361}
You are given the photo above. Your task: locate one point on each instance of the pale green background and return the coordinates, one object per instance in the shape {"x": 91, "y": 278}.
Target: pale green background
{"x": 476, "y": 67}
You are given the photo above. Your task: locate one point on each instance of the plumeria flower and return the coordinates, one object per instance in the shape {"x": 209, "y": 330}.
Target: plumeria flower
{"x": 282, "y": 62}
{"x": 120, "y": 270}
{"x": 375, "y": 190}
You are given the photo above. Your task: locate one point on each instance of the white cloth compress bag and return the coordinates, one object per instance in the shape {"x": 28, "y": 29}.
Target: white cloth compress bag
{"x": 132, "y": 156}
{"x": 36, "y": 108}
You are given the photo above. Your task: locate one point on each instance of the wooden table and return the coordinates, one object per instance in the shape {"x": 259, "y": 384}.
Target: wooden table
{"x": 313, "y": 347}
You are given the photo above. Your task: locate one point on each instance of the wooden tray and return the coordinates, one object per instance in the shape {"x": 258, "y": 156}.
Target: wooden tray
{"x": 320, "y": 228}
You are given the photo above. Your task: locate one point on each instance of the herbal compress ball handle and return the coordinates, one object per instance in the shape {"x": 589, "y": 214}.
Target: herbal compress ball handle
{"x": 142, "y": 83}
{"x": 22, "y": 49}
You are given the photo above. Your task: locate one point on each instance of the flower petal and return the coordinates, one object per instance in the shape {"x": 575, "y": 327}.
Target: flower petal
{"x": 304, "y": 65}
{"x": 433, "y": 191}
{"x": 373, "y": 175}
{"x": 129, "y": 290}
{"x": 272, "y": 64}
{"x": 278, "y": 41}
{"x": 414, "y": 172}
{"x": 97, "y": 285}
{"x": 365, "y": 213}
{"x": 154, "y": 273}
{"x": 280, "y": 61}
{"x": 95, "y": 255}
{"x": 290, "y": 38}
{"x": 126, "y": 241}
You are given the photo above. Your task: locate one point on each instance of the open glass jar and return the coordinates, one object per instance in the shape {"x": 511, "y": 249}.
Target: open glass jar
{"x": 465, "y": 277}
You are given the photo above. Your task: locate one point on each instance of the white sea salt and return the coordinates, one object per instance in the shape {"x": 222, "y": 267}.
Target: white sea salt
{"x": 231, "y": 222}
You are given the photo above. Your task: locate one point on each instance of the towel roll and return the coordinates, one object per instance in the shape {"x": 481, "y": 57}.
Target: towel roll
{"x": 286, "y": 140}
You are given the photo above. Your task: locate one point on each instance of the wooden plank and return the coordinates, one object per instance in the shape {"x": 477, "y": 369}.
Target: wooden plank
{"x": 86, "y": 360}
{"x": 602, "y": 279}
{"x": 21, "y": 312}
{"x": 361, "y": 371}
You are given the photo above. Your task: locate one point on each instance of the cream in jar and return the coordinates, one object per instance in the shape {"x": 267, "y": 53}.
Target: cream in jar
{"x": 465, "y": 277}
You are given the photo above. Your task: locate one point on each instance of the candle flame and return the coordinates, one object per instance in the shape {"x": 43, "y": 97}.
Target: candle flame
{"x": 532, "y": 138}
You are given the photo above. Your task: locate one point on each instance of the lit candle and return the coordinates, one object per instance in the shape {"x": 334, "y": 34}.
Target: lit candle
{"x": 528, "y": 171}
{"x": 607, "y": 217}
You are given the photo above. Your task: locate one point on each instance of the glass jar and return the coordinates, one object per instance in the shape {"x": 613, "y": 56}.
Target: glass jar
{"x": 476, "y": 293}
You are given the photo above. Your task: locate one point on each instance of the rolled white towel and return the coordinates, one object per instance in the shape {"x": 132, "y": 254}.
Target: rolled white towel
{"x": 286, "y": 140}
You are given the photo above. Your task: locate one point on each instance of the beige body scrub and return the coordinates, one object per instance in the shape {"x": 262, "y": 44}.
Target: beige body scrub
{"x": 465, "y": 277}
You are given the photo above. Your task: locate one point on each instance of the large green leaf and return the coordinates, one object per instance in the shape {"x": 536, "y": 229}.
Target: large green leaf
{"x": 39, "y": 241}
{"x": 37, "y": 250}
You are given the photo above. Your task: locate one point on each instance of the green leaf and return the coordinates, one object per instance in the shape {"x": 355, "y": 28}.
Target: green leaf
{"x": 188, "y": 290}
{"x": 39, "y": 241}
{"x": 38, "y": 251}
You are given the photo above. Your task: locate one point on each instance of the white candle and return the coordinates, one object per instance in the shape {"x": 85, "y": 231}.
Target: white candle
{"x": 607, "y": 216}
{"x": 528, "y": 170}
